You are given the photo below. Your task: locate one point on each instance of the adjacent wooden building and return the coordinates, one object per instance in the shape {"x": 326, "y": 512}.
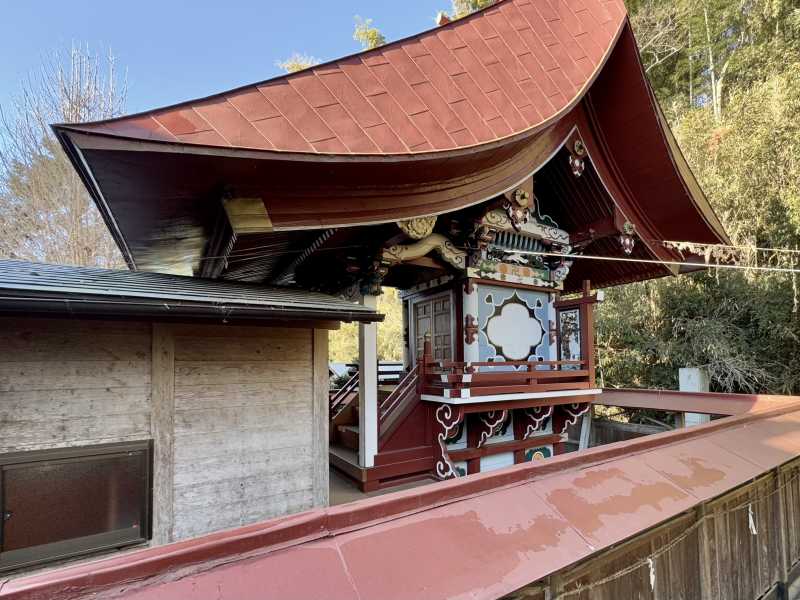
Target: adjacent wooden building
{"x": 145, "y": 408}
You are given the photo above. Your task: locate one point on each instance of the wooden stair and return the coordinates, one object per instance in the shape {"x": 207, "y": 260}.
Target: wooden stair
{"x": 392, "y": 467}
{"x": 347, "y": 436}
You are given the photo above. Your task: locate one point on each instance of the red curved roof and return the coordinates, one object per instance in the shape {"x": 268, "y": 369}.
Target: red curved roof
{"x": 511, "y": 68}
{"x": 444, "y": 120}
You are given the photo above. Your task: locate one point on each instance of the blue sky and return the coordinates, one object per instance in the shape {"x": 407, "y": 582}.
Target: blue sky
{"x": 175, "y": 50}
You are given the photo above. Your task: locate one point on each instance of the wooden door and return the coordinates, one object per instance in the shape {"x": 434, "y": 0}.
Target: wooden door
{"x": 434, "y": 316}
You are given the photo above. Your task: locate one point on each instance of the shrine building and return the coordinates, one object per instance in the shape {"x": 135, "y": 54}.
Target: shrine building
{"x": 500, "y": 171}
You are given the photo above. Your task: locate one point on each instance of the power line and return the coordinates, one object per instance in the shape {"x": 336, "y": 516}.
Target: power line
{"x": 677, "y": 244}
{"x": 657, "y": 261}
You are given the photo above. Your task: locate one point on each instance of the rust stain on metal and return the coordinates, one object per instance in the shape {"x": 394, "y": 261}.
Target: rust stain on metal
{"x": 607, "y": 504}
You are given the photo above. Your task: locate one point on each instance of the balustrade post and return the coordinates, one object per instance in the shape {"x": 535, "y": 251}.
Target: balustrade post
{"x": 587, "y": 332}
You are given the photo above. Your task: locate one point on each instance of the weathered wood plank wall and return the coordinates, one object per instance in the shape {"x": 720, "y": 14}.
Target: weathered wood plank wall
{"x": 73, "y": 383}
{"x": 243, "y": 426}
{"x": 711, "y": 552}
{"x": 162, "y": 421}
{"x": 238, "y": 415}
{"x": 607, "y": 432}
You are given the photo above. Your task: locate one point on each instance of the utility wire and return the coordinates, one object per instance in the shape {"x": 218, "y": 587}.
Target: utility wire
{"x": 257, "y": 252}
{"x": 657, "y": 261}
{"x": 676, "y": 245}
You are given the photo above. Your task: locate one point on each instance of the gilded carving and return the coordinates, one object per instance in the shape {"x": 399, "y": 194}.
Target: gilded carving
{"x": 435, "y": 241}
{"x": 522, "y": 197}
{"x": 418, "y": 228}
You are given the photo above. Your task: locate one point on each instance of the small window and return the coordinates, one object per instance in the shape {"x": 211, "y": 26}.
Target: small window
{"x": 55, "y": 504}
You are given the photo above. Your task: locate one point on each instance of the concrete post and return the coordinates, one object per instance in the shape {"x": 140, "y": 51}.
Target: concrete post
{"x": 693, "y": 379}
{"x": 586, "y": 429}
{"x": 368, "y": 388}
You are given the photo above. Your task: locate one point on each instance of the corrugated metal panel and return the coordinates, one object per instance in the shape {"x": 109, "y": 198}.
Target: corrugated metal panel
{"x": 40, "y": 280}
{"x": 509, "y": 68}
{"x": 482, "y": 536}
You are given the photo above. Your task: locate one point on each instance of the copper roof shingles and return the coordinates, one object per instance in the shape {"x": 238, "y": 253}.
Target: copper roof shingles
{"x": 182, "y": 121}
{"x": 502, "y": 71}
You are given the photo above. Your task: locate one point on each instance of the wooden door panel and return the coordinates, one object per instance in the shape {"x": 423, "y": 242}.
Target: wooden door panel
{"x": 435, "y": 317}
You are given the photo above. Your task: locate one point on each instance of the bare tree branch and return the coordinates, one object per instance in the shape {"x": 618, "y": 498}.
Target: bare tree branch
{"x": 45, "y": 212}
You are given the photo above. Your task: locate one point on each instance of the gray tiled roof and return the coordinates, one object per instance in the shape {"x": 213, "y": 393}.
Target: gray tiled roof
{"x": 77, "y": 289}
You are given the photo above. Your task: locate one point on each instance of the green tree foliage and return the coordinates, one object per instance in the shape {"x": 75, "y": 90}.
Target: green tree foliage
{"x": 344, "y": 342}
{"x": 368, "y": 36}
{"x": 732, "y": 91}
{"x": 297, "y": 62}
{"x": 462, "y": 8}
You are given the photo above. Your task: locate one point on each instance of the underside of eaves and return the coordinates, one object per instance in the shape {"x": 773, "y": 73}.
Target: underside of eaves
{"x": 429, "y": 125}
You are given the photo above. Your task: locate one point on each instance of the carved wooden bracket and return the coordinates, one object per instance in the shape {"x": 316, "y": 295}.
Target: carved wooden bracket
{"x": 488, "y": 422}
{"x": 470, "y": 329}
{"x": 568, "y": 414}
{"x": 448, "y": 418}
{"x": 435, "y": 241}
{"x": 533, "y": 420}
{"x": 373, "y": 278}
{"x": 247, "y": 215}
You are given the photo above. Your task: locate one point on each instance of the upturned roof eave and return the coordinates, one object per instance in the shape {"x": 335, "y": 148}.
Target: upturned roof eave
{"x": 575, "y": 97}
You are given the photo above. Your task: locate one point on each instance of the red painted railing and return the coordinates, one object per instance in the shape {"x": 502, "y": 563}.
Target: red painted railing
{"x": 339, "y": 397}
{"x": 485, "y": 379}
{"x": 399, "y": 401}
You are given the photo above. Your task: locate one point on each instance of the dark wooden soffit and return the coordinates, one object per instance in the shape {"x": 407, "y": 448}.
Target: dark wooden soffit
{"x": 638, "y": 146}
{"x": 511, "y": 68}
